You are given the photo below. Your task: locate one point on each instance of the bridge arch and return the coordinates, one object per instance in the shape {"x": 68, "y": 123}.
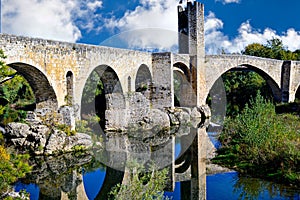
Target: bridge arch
{"x": 184, "y": 95}
{"x": 44, "y": 93}
{"x": 273, "y": 84}
{"x": 143, "y": 78}
{"x": 102, "y": 91}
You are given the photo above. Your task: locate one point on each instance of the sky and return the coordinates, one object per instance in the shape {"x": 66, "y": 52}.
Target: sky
{"x": 230, "y": 25}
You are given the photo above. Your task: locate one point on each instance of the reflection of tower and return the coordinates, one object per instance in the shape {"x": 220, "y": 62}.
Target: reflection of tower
{"x": 191, "y": 41}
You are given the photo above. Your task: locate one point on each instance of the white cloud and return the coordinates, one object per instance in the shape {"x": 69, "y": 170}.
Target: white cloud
{"x": 158, "y": 16}
{"x": 52, "y": 19}
{"x": 94, "y": 5}
{"x": 217, "y": 41}
{"x": 229, "y": 1}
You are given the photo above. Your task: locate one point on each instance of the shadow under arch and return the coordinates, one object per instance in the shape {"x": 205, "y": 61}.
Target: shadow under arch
{"x": 43, "y": 91}
{"x": 297, "y": 94}
{"x": 102, "y": 91}
{"x": 143, "y": 79}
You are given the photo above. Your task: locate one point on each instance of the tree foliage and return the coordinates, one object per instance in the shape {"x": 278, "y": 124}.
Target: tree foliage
{"x": 16, "y": 95}
{"x": 273, "y": 49}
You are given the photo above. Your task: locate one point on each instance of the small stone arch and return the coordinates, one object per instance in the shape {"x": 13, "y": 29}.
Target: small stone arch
{"x": 184, "y": 95}
{"x": 143, "y": 79}
{"x": 44, "y": 93}
{"x": 184, "y": 69}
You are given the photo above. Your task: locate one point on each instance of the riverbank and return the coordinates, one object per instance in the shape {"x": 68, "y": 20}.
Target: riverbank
{"x": 260, "y": 143}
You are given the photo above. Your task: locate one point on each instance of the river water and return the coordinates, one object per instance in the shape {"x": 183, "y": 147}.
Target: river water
{"x": 58, "y": 178}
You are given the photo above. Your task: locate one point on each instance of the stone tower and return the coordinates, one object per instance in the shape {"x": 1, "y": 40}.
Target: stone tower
{"x": 191, "y": 41}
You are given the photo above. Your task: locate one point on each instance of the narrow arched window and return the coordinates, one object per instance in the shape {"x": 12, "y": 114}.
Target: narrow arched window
{"x": 69, "y": 96}
{"x": 129, "y": 84}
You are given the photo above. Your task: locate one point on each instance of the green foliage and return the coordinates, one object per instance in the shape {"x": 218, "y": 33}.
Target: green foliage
{"x": 15, "y": 95}
{"x": 141, "y": 184}
{"x": 273, "y": 49}
{"x": 259, "y": 142}
{"x": 92, "y": 88}
{"x": 12, "y": 167}
{"x": 240, "y": 86}
{"x": 66, "y": 129}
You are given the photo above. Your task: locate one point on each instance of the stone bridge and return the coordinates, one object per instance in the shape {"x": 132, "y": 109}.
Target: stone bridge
{"x": 283, "y": 77}
{"x": 58, "y": 71}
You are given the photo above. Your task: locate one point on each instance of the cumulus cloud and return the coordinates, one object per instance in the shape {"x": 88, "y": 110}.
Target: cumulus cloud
{"x": 216, "y": 40}
{"x": 158, "y": 16}
{"x": 53, "y": 19}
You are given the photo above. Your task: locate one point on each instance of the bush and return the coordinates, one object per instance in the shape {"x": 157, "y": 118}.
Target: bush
{"x": 12, "y": 167}
{"x": 261, "y": 143}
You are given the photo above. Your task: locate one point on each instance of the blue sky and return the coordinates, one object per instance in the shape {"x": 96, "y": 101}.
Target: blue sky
{"x": 229, "y": 24}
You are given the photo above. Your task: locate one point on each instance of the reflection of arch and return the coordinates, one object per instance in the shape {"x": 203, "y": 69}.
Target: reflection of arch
{"x": 143, "y": 78}
{"x": 269, "y": 80}
{"x": 42, "y": 89}
{"x": 112, "y": 178}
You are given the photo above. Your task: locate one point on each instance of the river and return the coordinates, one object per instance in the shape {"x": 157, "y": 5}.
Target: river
{"x": 60, "y": 179}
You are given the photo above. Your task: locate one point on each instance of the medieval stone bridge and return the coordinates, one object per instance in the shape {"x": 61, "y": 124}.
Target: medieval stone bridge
{"x": 58, "y": 71}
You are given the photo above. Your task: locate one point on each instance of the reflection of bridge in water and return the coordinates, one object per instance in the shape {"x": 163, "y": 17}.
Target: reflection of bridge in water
{"x": 59, "y": 178}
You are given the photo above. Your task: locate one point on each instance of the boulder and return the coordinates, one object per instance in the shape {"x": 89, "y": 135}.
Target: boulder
{"x": 79, "y": 139}
{"x": 17, "y": 130}
{"x": 56, "y": 142}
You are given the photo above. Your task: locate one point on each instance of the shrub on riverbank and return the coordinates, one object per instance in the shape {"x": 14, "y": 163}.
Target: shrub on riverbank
{"x": 262, "y": 143}
{"x": 12, "y": 167}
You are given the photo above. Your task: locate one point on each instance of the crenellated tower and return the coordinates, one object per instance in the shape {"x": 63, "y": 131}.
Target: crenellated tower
{"x": 191, "y": 41}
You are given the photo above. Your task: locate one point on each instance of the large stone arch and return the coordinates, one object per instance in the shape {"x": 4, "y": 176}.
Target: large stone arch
{"x": 108, "y": 104}
{"x": 143, "y": 78}
{"x": 269, "y": 69}
{"x": 184, "y": 94}
{"x": 44, "y": 93}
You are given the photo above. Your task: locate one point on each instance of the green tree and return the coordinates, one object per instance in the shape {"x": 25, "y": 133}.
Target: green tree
{"x": 16, "y": 95}
{"x": 273, "y": 49}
